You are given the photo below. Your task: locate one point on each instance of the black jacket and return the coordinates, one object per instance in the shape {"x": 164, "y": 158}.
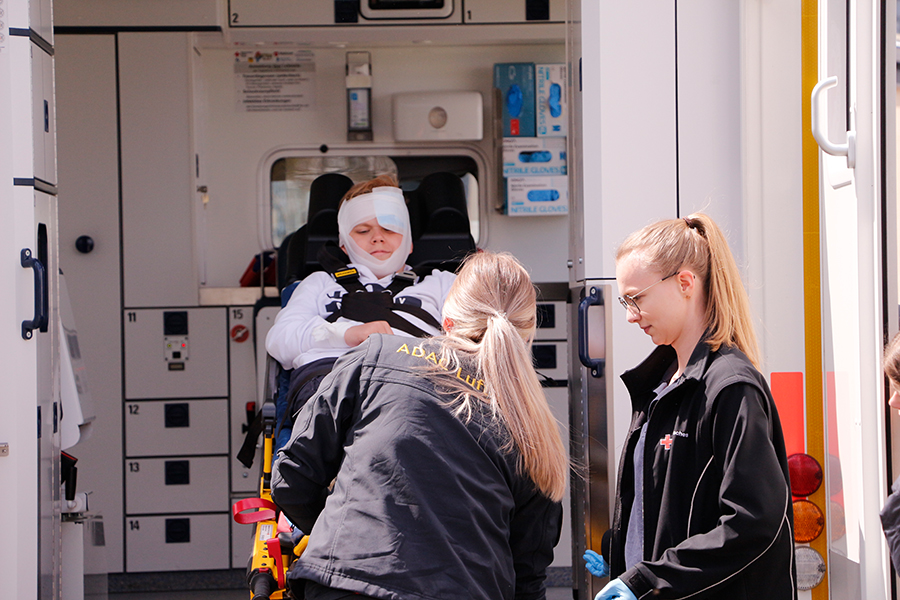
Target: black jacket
{"x": 425, "y": 505}
{"x": 718, "y": 518}
{"x": 890, "y": 522}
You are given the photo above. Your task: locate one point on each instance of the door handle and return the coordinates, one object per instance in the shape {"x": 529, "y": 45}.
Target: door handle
{"x": 40, "y": 299}
{"x": 596, "y": 365}
{"x": 819, "y": 129}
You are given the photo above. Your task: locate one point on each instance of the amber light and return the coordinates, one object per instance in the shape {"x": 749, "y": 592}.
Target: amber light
{"x": 806, "y": 474}
{"x": 809, "y": 522}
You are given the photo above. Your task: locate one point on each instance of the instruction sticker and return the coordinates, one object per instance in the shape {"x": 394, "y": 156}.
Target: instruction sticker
{"x": 274, "y": 80}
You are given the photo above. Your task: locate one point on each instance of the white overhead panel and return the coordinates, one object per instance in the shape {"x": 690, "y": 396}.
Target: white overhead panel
{"x": 348, "y": 23}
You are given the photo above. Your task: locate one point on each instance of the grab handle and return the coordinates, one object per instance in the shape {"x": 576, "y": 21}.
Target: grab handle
{"x": 596, "y": 365}
{"x": 819, "y": 130}
{"x": 40, "y": 298}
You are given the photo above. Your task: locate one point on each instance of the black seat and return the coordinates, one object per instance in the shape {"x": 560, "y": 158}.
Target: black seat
{"x": 440, "y": 223}
{"x": 301, "y": 248}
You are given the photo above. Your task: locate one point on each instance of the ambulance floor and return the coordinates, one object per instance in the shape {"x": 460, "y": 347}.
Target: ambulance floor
{"x": 552, "y": 594}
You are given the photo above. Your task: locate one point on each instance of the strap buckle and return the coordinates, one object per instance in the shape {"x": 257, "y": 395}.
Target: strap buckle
{"x": 346, "y": 274}
{"x": 409, "y": 277}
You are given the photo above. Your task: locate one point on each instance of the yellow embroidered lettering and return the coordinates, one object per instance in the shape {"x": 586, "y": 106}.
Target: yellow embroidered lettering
{"x": 418, "y": 351}
{"x": 432, "y": 358}
{"x": 403, "y": 348}
{"x": 480, "y": 385}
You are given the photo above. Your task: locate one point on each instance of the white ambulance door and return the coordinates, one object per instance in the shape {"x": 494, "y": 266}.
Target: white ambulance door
{"x": 29, "y": 407}
{"x": 849, "y": 123}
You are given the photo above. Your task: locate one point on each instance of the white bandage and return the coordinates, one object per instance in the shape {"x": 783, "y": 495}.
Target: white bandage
{"x": 387, "y": 206}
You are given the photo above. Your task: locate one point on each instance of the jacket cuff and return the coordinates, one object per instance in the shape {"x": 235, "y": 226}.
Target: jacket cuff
{"x": 636, "y": 582}
{"x": 332, "y": 334}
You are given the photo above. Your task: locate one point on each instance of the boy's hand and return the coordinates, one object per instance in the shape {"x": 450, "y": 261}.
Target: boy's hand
{"x": 357, "y": 334}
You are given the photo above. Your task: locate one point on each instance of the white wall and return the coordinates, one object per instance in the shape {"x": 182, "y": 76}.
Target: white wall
{"x": 233, "y": 144}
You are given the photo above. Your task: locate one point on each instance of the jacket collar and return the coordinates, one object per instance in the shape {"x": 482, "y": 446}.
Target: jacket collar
{"x": 645, "y": 377}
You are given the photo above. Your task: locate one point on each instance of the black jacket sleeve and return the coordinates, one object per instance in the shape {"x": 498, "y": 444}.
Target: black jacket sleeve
{"x": 890, "y": 522}
{"x": 306, "y": 466}
{"x": 753, "y": 501}
{"x": 534, "y": 532}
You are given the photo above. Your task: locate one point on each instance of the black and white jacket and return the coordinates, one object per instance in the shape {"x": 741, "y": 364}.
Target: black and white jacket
{"x": 718, "y": 518}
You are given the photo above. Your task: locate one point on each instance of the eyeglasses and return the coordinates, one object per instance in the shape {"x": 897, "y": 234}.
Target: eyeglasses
{"x": 630, "y": 302}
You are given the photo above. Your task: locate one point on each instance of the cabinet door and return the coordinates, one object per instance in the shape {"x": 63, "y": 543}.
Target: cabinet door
{"x": 157, "y": 169}
{"x": 176, "y": 427}
{"x": 196, "y": 364}
{"x": 177, "y": 543}
{"x": 176, "y": 484}
{"x": 88, "y": 150}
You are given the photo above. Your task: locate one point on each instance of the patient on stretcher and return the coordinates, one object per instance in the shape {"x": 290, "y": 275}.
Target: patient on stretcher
{"x": 376, "y": 292}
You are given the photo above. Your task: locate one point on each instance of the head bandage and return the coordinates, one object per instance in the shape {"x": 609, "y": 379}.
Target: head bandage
{"x": 387, "y": 206}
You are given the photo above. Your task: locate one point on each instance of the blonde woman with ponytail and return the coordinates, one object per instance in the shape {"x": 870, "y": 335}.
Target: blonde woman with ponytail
{"x": 448, "y": 466}
{"x": 703, "y": 503}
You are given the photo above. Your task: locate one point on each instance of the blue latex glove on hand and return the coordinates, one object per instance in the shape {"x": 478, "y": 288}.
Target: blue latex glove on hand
{"x": 615, "y": 590}
{"x": 595, "y": 564}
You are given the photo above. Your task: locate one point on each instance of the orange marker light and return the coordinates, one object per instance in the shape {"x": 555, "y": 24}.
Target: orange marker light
{"x": 809, "y": 521}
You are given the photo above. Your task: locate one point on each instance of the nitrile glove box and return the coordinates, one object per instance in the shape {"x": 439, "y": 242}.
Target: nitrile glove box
{"x": 534, "y": 156}
{"x": 550, "y": 91}
{"x": 537, "y": 196}
{"x": 516, "y": 84}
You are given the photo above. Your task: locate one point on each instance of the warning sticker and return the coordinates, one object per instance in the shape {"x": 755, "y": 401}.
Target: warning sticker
{"x": 274, "y": 80}
{"x": 266, "y": 531}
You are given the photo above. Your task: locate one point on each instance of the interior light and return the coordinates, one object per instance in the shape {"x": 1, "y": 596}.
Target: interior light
{"x": 806, "y": 474}
{"x": 809, "y": 521}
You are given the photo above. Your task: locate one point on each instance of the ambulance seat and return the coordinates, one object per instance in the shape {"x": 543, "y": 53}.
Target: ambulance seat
{"x": 440, "y": 222}
{"x": 302, "y": 247}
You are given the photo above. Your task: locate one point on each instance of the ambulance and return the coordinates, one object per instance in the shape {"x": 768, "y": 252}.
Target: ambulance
{"x": 156, "y": 153}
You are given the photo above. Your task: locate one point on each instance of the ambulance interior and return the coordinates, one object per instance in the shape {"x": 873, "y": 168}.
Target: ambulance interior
{"x": 188, "y": 135}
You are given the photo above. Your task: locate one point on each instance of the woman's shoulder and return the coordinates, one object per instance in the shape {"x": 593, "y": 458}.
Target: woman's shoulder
{"x": 728, "y": 366}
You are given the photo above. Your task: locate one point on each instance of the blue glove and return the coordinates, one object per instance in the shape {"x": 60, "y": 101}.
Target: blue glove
{"x": 615, "y": 590}
{"x": 595, "y": 564}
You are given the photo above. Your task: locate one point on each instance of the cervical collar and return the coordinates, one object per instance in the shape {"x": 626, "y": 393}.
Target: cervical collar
{"x": 387, "y": 206}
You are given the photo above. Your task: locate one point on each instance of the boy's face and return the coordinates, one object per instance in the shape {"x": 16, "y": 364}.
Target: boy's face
{"x": 375, "y": 239}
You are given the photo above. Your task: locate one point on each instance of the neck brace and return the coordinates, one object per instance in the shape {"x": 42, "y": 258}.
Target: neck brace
{"x": 387, "y": 206}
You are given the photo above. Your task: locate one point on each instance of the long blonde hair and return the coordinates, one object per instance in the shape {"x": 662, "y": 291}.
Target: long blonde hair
{"x": 696, "y": 242}
{"x": 492, "y": 307}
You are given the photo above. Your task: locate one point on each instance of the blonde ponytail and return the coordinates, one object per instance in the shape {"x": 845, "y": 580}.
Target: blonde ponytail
{"x": 493, "y": 310}
{"x": 695, "y": 242}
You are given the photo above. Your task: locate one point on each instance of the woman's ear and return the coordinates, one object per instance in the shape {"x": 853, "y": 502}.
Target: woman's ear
{"x": 447, "y": 324}
{"x": 687, "y": 281}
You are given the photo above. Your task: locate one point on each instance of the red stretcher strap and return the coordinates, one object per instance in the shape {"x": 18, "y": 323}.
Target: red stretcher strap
{"x": 273, "y": 545}
{"x": 266, "y": 510}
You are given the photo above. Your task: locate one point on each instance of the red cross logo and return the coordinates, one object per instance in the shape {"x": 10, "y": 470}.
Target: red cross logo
{"x": 667, "y": 442}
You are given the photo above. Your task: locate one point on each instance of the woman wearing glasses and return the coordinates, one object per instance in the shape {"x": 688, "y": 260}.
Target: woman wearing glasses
{"x": 703, "y": 505}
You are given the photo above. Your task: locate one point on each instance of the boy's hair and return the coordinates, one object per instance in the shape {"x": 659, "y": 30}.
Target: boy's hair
{"x": 385, "y": 180}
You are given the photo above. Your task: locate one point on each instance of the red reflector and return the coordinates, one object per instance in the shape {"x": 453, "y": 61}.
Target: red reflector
{"x": 806, "y": 474}
{"x": 250, "y": 407}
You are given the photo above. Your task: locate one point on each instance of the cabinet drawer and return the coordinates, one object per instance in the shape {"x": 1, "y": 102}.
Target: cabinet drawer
{"x": 176, "y": 427}
{"x": 177, "y": 543}
{"x": 176, "y": 484}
